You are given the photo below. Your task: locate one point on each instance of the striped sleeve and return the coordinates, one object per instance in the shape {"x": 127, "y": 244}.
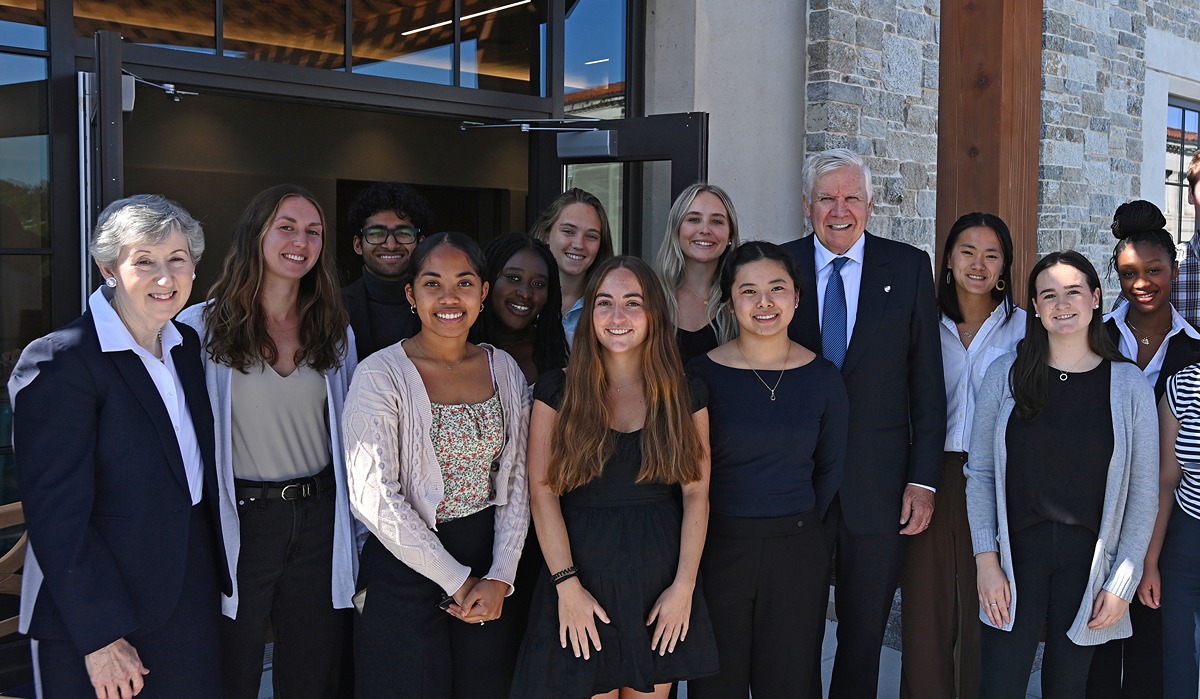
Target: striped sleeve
{"x": 1183, "y": 397}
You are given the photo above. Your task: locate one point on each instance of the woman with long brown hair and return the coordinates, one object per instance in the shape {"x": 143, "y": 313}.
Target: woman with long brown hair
{"x": 617, "y": 611}
{"x": 278, "y": 364}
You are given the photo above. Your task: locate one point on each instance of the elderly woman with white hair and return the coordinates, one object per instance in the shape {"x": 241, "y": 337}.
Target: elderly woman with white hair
{"x": 113, "y": 438}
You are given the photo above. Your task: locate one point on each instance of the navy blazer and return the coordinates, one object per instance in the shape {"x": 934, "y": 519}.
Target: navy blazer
{"x": 893, "y": 375}
{"x": 106, "y": 498}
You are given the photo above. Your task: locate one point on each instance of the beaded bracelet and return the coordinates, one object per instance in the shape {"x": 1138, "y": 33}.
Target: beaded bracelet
{"x": 564, "y": 574}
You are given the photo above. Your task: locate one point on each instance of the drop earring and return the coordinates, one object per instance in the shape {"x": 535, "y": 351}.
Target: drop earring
{"x": 412, "y": 309}
{"x": 949, "y": 277}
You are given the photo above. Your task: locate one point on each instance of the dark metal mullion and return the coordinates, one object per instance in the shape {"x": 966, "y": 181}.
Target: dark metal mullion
{"x": 219, "y": 27}
{"x": 456, "y": 60}
{"x": 556, "y": 55}
{"x": 65, "y": 274}
{"x": 635, "y": 58}
{"x": 349, "y": 34}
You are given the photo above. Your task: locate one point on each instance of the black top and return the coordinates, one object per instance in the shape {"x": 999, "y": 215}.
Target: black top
{"x": 774, "y": 458}
{"x": 1182, "y": 351}
{"x": 380, "y": 313}
{"x": 693, "y": 343}
{"x": 627, "y": 446}
{"x": 1058, "y": 462}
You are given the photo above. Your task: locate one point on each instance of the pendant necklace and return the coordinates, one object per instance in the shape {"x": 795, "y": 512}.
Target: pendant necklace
{"x": 1062, "y": 373}
{"x": 760, "y": 379}
{"x": 1145, "y": 336}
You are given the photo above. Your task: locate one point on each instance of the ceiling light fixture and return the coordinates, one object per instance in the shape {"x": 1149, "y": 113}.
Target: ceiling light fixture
{"x": 466, "y": 17}
{"x": 598, "y": 60}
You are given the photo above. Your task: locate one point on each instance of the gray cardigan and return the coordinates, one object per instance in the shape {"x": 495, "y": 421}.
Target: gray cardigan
{"x": 1130, "y": 494}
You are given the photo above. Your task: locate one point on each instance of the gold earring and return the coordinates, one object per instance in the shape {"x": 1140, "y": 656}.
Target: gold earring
{"x": 1000, "y": 285}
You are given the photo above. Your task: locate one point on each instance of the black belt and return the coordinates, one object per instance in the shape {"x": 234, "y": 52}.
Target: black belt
{"x": 291, "y": 490}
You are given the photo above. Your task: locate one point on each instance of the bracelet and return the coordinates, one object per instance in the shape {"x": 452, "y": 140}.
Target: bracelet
{"x": 564, "y": 574}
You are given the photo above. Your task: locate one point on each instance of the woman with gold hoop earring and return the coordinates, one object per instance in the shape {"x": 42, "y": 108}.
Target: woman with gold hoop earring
{"x": 979, "y": 323}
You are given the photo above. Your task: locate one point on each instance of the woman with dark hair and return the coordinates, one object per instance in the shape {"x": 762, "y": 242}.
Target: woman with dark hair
{"x": 575, "y": 228}
{"x": 617, "y": 442}
{"x": 1061, "y": 491}
{"x": 436, "y": 431}
{"x": 278, "y": 361}
{"x": 1148, "y": 331}
{"x": 979, "y": 323}
{"x": 701, "y": 231}
{"x": 522, "y": 315}
{"x": 778, "y": 432}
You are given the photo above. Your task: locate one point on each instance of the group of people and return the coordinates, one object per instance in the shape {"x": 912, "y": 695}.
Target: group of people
{"x": 542, "y": 470}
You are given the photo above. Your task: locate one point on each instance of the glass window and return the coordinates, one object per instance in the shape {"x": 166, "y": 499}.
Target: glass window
{"x": 23, "y": 23}
{"x": 187, "y": 26}
{"x": 412, "y": 40}
{"x": 24, "y": 155}
{"x": 607, "y": 182}
{"x": 594, "y": 58}
{"x": 1183, "y": 124}
{"x": 502, "y": 45}
{"x": 311, "y": 34}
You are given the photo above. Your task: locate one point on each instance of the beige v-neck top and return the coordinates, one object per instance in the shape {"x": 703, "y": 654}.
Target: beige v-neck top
{"x": 280, "y": 424}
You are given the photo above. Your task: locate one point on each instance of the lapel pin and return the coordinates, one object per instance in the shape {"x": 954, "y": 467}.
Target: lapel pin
{"x": 887, "y": 289}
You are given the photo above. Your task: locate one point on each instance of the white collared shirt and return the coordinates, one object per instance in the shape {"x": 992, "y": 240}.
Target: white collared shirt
{"x": 851, "y": 278}
{"x": 115, "y": 337}
{"x": 1129, "y": 344}
{"x": 964, "y": 367}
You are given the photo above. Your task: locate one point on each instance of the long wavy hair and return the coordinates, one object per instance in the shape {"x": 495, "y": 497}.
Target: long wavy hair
{"x": 550, "y": 350}
{"x": 1027, "y": 377}
{"x": 580, "y": 439}
{"x": 671, "y": 261}
{"x": 237, "y": 326}
{"x": 549, "y": 216}
{"x": 947, "y": 290}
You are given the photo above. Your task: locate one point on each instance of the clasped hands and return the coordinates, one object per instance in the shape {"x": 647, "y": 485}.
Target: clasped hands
{"x": 478, "y": 600}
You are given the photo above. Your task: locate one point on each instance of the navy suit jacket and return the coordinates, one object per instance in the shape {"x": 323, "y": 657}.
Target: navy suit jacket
{"x": 106, "y": 498}
{"x": 893, "y": 375}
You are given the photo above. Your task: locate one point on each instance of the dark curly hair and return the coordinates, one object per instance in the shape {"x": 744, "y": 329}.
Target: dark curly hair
{"x": 550, "y": 350}
{"x": 398, "y": 198}
{"x": 1140, "y": 221}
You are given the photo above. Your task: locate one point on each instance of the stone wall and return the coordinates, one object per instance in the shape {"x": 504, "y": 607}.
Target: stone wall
{"x": 873, "y": 88}
{"x": 1093, "y": 69}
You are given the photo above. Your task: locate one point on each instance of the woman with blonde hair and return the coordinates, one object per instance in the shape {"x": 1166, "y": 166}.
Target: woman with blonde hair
{"x": 702, "y": 229}
{"x": 279, "y": 357}
{"x": 576, "y": 229}
{"x": 613, "y": 440}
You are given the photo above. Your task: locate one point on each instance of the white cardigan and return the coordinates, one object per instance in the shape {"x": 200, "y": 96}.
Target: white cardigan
{"x": 396, "y": 480}
{"x": 219, "y": 378}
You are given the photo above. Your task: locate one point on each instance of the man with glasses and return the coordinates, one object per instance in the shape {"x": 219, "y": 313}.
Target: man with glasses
{"x": 388, "y": 220}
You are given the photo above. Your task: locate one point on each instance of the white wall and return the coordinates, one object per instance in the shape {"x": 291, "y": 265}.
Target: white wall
{"x": 743, "y": 63}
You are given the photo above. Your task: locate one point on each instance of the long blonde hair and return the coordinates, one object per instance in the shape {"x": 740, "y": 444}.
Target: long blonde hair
{"x": 580, "y": 439}
{"x": 671, "y": 261}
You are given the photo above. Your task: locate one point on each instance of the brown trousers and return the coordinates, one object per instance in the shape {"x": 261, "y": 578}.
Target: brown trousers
{"x": 940, "y": 603}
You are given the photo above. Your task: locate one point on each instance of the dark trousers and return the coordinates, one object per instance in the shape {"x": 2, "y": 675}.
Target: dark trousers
{"x": 940, "y": 600}
{"x": 1179, "y": 565}
{"x": 765, "y": 581}
{"x": 1051, "y": 562}
{"x": 1130, "y": 668}
{"x": 867, "y": 571}
{"x": 285, "y": 572}
{"x": 182, "y": 655}
{"x": 405, "y": 646}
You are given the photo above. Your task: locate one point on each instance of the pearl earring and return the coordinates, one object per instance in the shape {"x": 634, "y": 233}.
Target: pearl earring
{"x": 193, "y": 276}
{"x": 110, "y": 282}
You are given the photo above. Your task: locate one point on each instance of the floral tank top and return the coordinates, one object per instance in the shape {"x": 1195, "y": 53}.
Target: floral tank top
{"x": 467, "y": 438}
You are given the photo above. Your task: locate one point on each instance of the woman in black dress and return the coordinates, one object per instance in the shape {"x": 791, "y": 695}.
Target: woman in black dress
{"x": 612, "y": 441}
{"x": 778, "y": 433}
{"x": 702, "y": 229}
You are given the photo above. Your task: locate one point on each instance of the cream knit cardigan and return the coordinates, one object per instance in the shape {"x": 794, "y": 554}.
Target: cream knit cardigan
{"x": 394, "y": 477}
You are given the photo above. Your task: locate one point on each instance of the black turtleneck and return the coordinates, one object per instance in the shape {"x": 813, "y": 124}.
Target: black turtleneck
{"x": 379, "y": 313}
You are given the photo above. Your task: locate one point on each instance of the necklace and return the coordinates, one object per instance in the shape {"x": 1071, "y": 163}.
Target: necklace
{"x": 425, "y": 355}
{"x": 1145, "y": 336}
{"x": 618, "y": 389}
{"x": 1062, "y": 373}
{"x": 702, "y": 299}
{"x": 760, "y": 379}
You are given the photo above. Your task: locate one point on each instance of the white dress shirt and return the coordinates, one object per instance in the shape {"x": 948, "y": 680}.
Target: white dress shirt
{"x": 1129, "y": 344}
{"x": 851, "y": 278}
{"x": 115, "y": 337}
{"x": 964, "y": 367}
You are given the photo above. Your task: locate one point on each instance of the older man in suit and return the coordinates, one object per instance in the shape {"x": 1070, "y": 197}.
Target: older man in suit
{"x": 874, "y": 316}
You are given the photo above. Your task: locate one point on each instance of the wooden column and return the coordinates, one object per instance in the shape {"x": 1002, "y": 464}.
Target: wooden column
{"x": 989, "y": 120}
